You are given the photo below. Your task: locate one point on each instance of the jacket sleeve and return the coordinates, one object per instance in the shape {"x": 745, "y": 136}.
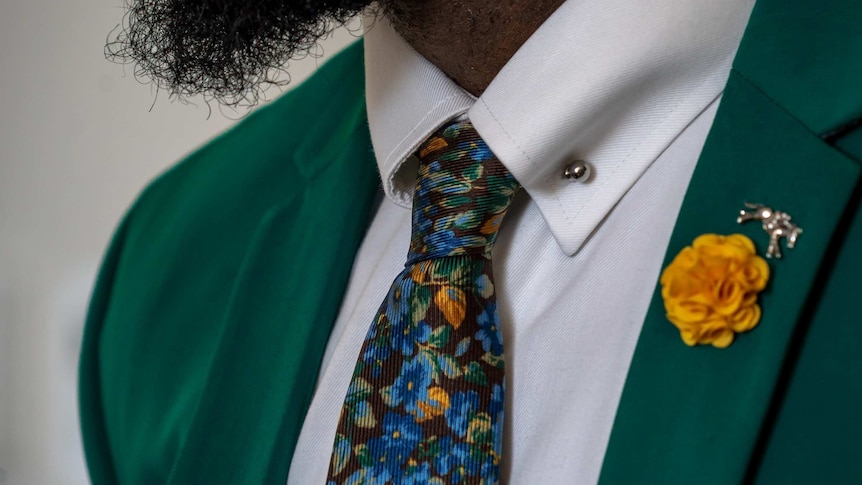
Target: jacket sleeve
{"x": 95, "y": 439}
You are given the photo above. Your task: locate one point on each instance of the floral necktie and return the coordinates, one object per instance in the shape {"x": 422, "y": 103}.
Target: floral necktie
{"x": 425, "y": 404}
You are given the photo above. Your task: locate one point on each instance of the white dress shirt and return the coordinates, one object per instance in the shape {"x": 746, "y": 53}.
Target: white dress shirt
{"x": 631, "y": 86}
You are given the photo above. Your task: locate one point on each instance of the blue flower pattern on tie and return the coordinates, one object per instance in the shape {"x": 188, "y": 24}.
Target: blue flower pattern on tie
{"x": 425, "y": 404}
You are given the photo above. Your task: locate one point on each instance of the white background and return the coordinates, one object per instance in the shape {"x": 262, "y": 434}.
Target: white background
{"x": 77, "y": 143}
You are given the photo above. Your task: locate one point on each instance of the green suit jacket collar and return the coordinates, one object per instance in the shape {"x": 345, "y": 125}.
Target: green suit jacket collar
{"x": 704, "y": 412}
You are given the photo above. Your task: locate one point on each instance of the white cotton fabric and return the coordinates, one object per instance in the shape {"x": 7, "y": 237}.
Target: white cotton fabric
{"x": 630, "y": 86}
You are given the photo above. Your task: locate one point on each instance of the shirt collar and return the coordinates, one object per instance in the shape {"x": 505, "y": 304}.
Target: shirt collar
{"x": 611, "y": 82}
{"x": 408, "y": 98}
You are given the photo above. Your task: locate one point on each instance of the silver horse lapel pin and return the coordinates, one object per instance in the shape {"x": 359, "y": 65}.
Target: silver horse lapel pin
{"x": 776, "y": 223}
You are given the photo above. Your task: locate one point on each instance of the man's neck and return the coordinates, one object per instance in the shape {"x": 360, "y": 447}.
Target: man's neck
{"x": 469, "y": 40}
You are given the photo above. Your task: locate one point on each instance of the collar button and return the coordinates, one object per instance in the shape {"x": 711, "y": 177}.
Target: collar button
{"x": 577, "y": 171}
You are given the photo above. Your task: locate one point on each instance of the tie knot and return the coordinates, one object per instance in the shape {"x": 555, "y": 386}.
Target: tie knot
{"x": 462, "y": 193}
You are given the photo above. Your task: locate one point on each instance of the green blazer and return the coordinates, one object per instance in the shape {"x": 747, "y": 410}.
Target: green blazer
{"x": 219, "y": 290}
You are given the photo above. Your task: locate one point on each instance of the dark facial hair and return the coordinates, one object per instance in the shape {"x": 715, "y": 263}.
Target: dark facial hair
{"x": 227, "y": 50}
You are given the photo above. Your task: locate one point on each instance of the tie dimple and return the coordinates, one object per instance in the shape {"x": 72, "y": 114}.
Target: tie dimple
{"x": 462, "y": 193}
{"x": 425, "y": 404}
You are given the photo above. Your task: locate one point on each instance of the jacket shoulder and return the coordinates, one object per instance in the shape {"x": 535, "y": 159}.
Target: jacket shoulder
{"x": 265, "y": 155}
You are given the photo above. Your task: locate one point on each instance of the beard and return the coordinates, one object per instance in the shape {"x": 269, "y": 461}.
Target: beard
{"x": 229, "y": 51}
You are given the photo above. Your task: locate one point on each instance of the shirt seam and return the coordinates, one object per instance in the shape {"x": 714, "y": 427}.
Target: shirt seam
{"x": 567, "y": 215}
{"x": 616, "y": 167}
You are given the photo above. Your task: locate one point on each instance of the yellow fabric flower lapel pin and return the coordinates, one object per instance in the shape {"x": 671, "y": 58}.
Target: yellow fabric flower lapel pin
{"x": 710, "y": 288}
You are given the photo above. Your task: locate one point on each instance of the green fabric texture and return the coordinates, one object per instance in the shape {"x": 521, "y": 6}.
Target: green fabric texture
{"x": 806, "y": 55}
{"x": 780, "y": 405}
{"x": 216, "y": 299}
{"x": 818, "y": 423}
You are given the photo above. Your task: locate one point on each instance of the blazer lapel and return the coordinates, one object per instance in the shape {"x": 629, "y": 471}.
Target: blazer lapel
{"x": 694, "y": 415}
{"x": 284, "y": 303}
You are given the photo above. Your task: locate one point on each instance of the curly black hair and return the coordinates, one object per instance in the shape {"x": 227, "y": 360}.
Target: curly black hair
{"x": 227, "y": 50}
